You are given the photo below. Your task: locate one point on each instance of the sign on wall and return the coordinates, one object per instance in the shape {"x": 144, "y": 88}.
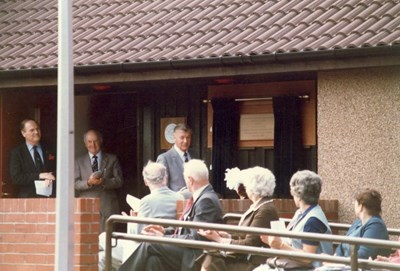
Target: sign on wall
{"x": 257, "y": 126}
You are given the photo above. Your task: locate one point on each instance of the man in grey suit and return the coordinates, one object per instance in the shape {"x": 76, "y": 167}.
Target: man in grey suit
{"x": 174, "y": 158}
{"x": 97, "y": 175}
{"x": 205, "y": 208}
{"x": 160, "y": 203}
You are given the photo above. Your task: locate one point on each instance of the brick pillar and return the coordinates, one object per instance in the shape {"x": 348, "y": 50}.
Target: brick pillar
{"x": 86, "y": 234}
{"x": 27, "y": 234}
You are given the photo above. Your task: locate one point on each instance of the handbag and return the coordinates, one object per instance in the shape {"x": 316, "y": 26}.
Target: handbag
{"x": 287, "y": 264}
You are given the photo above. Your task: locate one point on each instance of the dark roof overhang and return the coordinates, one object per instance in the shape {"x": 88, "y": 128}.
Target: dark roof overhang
{"x": 223, "y": 61}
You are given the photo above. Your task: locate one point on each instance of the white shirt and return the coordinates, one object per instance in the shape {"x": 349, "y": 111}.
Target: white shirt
{"x": 181, "y": 153}
{"x": 31, "y": 151}
{"x": 98, "y": 158}
{"x": 197, "y": 193}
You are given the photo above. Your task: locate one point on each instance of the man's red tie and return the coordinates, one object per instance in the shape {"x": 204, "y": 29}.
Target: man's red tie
{"x": 188, "y": 206}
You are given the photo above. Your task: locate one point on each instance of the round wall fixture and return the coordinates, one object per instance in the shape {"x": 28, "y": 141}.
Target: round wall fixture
{"x": 169, "y": 133}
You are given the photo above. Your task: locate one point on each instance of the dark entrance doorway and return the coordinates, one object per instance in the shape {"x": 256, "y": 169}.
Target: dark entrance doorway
{"x": 15, "y": 106}
{"x": 115, "y": 115}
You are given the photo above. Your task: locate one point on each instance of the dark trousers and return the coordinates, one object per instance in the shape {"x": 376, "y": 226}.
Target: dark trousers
{"x": 155, "y": 257}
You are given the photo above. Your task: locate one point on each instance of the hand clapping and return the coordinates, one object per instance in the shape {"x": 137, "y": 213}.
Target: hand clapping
{"x": 212, "y": 235}
{"x": 156, "y": 230}
{"x": 274, "y": 242}
{"x": 48, "y": 178}
{"x": 94, "y": 181}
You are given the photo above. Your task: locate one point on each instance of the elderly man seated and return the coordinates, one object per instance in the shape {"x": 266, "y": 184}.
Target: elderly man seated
{"x": 203, "y": 207}
{"x": 160, "y": 203}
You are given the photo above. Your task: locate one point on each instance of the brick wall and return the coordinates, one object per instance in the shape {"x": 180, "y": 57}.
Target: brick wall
{"x": 27, "y": 234}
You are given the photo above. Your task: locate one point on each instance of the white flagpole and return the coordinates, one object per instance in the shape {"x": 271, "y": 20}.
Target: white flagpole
{"x": 64, "y": 259}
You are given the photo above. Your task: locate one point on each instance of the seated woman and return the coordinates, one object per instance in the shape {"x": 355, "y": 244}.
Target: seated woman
{"x": 369, "y": 224}
{"x": 305, "y": 187}
{"x": 259, "y": 184}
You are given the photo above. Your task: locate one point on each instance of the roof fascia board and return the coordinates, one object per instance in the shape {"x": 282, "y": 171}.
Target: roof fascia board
{"x": 246, "y": 70}
{"x": 145, "y": 77}
{"x": 316, "y": 60}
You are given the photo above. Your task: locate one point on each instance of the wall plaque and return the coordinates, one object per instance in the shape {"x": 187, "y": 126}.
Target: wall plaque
{"x": 257, "y": 126}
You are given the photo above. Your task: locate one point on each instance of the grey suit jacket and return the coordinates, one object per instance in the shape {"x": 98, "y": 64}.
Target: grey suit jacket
{"x": 160, "y": 203}
{"x": 107, "y": 191}
{"x": 174, "y": 164}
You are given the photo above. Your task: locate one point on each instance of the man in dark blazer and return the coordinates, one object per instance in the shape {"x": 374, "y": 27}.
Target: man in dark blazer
{"x": 97, "y": 175}
{"x": 205, "y": 208}
{"x": 24, "y": 170}
{"x": 174, "y": 158}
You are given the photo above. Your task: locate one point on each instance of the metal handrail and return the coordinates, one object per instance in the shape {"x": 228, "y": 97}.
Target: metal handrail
{"x": 333, "y": 225}
{"x": 345, "y": 226}
{"x": 353, "y": 260}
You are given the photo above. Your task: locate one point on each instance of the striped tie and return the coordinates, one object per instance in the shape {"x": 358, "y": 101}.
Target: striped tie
{"x": 95, "y": 164}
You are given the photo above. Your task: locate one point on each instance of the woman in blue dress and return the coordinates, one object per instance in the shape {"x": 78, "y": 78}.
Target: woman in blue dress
{"x": 369, "y": 224}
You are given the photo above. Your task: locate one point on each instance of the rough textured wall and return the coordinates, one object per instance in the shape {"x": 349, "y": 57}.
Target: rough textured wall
{"x": 358, "y": 129}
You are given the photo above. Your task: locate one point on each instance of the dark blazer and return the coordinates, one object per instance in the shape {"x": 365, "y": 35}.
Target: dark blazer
{"x": 174, "y": 164}
{"x": 107, "y": 192}
{"x": 206, "y": 208}
{"x": 259, "y": 216}
{"x": 24, "y": 172}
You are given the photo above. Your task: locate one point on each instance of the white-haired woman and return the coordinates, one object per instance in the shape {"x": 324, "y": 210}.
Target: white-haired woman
{"x": 259, "y": 184}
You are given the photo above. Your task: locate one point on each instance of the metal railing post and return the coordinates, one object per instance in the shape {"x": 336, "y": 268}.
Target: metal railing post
{"x": 354, "y": 257}
{"x": 109, "y": 229}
